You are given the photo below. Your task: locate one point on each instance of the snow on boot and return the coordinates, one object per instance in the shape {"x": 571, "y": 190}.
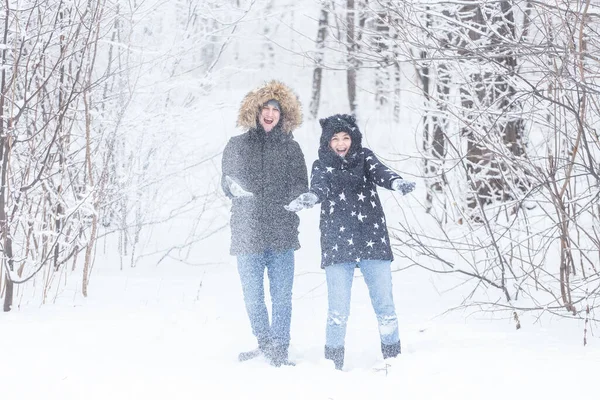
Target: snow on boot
{"x": 279, "y": 356}
{"x": 335, "y": 354}
{"x": 249, "y": 355}
{"x": 263, "y": 348}
{"x": 390, "y": 350}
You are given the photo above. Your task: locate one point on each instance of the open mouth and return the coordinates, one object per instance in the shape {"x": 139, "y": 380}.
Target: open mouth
{"x": 341, "y": 152}
{"x": 268, "y": 121}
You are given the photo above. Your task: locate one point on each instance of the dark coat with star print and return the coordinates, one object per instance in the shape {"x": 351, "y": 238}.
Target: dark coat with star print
{"x": 269, "y": 165}
{"x": 353, "y": 225}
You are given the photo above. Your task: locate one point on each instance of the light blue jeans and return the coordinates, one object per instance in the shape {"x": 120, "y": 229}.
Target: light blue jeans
{"x": 378, "y": 277}
{"x": 280, "y": 271}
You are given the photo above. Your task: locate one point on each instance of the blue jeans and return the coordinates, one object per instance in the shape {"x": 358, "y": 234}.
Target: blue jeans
{"x": 378, "y": 277}
{"x": 280, "y": 270}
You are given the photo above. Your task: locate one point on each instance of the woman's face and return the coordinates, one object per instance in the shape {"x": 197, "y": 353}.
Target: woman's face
{"x": 340, "y": 143}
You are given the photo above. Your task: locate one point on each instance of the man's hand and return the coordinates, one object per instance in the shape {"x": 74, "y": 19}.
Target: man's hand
{"x": 235, "y": 189}
{"x": 402, "y": 186}
{"x": 305, "y": 200}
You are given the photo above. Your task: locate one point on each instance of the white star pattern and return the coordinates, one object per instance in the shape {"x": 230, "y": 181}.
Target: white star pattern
{"x": 383, "y": 240}
{"x": 361, "y": 217}
{"x": 373, "y": 193}
{"x": 357, "y": 259}
{"x": 373, "y": 204}
{"x": 342, "y": 229}
{"x": 369, "y": 158}
{"x": 330, "y": 170}
{"x": 331, "y": 210}
{"x": 372, "y": 167}
{"x": 361, "y": 197}
{"x": 370, "y": 243}
{"x": 331, "y": 203}
{"x": 351, "y": 242}
{"x": 334, "y": 248}
{"x": 342, "y": 197}
{"x": 353, "y": 213}
{"x": 376, "y": 225}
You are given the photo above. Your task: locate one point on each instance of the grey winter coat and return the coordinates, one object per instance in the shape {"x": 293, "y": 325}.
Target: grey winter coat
{"x": 272, "y": 167}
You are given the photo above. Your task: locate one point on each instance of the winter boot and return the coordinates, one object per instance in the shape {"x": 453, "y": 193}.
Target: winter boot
{"x": 390, "y": 350}
{"x": 335, "y": 354}
{"x": 278, "y": 355}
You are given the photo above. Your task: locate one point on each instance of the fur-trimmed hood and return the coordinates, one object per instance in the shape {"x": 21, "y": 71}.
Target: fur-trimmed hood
{"x": 291, "y": 109}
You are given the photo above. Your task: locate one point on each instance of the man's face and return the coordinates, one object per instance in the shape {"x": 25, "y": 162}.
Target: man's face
{"x": 340, "y": 143}
{"x": 269, "y": 117}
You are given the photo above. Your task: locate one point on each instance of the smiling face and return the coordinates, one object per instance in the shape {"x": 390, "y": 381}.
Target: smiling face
{"x": 269, "y": 117}
{"x": 340, "y": 143}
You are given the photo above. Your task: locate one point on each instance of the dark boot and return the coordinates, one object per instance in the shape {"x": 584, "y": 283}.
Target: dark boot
{"x": 390, "y": 350}
{"x": 278, "y": 355}
{"x": 335, "y": 354}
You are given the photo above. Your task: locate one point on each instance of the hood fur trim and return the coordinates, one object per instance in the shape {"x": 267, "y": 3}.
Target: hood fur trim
{"x": 291, "y": 109}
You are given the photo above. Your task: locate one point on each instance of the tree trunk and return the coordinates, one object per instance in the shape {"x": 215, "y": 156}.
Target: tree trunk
{"x": 492, "y": 112}
{"x": 352, "y": 61}
{"x": 319, "y": 54}
{"x": 435, "y": 121}
{"x": 4, "y": 150}
{"x": 397, "y": 73}
{"x": 382, "y": 76}
{"x": 268, "y": 55}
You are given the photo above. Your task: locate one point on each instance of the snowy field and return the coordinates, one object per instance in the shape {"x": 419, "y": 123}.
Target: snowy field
{"x": 174, "y": 331}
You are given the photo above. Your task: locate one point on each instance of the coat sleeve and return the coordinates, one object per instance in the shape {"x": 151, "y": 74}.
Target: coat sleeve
{"x": 228, "y": 166}
{"x": 319, "y": 184}
{"x": 299, "y": 174}
{"x": 377, "y": 172}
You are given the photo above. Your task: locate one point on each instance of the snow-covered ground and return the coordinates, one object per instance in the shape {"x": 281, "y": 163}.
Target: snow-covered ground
{"x": 174, "y": 331}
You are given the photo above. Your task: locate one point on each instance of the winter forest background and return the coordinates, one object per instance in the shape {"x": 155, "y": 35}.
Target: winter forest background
{"x": 113, "y": 116}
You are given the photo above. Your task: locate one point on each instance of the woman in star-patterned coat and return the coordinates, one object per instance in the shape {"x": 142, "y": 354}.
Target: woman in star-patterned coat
{"x": 353, "y": 230}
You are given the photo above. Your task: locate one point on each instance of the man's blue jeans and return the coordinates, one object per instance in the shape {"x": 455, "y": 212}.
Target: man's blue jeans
{"x": 378, "y": 277}
{"x": 280, "y": 270}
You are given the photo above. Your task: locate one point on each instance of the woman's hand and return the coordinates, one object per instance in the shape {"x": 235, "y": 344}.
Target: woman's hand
{"x": 305, "y": 200}
{"x": 402, "y": 186}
